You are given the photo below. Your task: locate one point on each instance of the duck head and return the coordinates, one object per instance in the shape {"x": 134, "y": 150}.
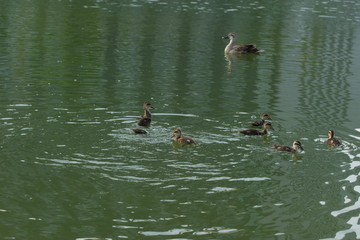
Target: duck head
{"x": 230, "y": 36}
{"x": 147, "y": 105}
{"x": 297, "y": 145}
{"x": 177, "y": 133}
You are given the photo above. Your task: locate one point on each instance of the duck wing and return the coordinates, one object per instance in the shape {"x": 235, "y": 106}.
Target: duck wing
{"x": 246, "y": 48}
{"x": 283, "y": 148}
{"x": 250, "y": 132}
{"x": 187, "y": 140}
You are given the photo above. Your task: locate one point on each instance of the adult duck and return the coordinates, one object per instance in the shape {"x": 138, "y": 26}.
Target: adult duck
{"x": 240, "y": 49}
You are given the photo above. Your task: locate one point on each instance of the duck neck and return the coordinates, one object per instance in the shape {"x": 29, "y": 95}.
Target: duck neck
{"x": 147, "y": 113}
{"x": 230, "y": 45}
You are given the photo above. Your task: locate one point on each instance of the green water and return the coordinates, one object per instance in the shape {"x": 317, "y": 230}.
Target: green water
{"x": 74, "y": 76}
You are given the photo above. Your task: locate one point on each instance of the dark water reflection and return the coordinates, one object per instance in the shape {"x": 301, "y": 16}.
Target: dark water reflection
{"x": 74, "y": 76}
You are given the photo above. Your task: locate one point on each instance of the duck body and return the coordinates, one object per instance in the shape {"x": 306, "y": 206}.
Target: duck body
{"x": 139, "y": 131}
{"x": 331, "y": 140}
{"x": 258, "y": 123}
{"x": 182, "y": 139}
{"x": 253, "y": 132}
{"x": 146, "y": 118}
{"x": 145, "y": 122}
{"x": 293, "y": 149}
{"x": 240, "y": 49}
{"x": 267, "y": 125}
{"x": 263, "y": 117}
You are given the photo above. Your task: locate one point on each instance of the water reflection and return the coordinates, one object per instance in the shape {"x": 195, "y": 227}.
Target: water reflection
{"x": 73, "y": 81}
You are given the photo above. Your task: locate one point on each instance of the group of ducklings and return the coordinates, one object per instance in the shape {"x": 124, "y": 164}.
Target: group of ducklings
{"x": 267, "y": 125}
{"x": 145, "y": 121}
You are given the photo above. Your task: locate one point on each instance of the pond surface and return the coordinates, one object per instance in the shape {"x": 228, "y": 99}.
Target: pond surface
{"x": 75, "y": 74}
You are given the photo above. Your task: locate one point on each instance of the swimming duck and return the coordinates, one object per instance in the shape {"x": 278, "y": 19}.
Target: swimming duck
{"x": 181, "y": 139}
{"x": 139, "y": 131}
{"x": 242, "y": 48}
{"x": 267, "y": 125}
{"x": 293, "y": 149}
{"x": 263, "y": 117}
{"x": 146, "y": 118}
{"x": 331, "y": 140}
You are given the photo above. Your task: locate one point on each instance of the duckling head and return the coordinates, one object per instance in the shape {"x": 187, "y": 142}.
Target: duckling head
{"x": 230, "y": 36}
{"x": 147, "y": 105}
{"x": 265, "y": 116}
{"x": 177, "y": 133}
{"x": 331, "y": 133}
{"x": 268, "y": 125}
{"x": 297, "y": 145}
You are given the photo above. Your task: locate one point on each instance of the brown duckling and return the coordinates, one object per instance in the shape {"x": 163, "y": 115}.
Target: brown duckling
{"x": 263, "y": 117}
{"x": 331, "y": 140}
{"x": 139, "y": 131}
{"x": 267, "y": 125}
{"x": 146, "y": 118}
{"x": 181, "y": 139}
{"x": 242, "y": 48}
{"x": 293, "y": 149}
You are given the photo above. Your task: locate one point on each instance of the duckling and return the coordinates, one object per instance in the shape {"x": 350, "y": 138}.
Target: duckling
{"x": 242, "y": 49}
{"x": 267, "y": 125}
{"x": 293, "y": 149}
{"x": 146, "y": 118}
{"x": 263, "y": 117}
{"x": 181, "y": 139}
{"x": 331, "y": 140}
{"x": 139, "y": 131}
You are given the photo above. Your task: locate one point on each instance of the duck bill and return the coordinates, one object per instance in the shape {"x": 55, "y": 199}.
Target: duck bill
{"x": 225, "y": 37}
{"x": 301, "y": 148}
{"x": 272, "y": 128}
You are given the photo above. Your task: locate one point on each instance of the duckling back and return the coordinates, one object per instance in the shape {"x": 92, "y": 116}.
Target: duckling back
{"x": 144, "y": 121}
{"x": 284, "y": 148}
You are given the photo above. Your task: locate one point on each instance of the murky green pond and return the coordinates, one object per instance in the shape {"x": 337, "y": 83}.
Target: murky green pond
{"x": 74, "y": 76}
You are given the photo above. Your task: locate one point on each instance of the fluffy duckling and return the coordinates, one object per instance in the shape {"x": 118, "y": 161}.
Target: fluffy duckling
{"x": 263, "y": 117}
{"x": 146, "y": 118}
{"x": 331, "y": 140}
{"x": 181, "y": 139}
{"x": 267, "y": 125}
{"x": 139, "y": 131}
{"x": 293, "y": 149}
{"x": 242, "y": 48}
